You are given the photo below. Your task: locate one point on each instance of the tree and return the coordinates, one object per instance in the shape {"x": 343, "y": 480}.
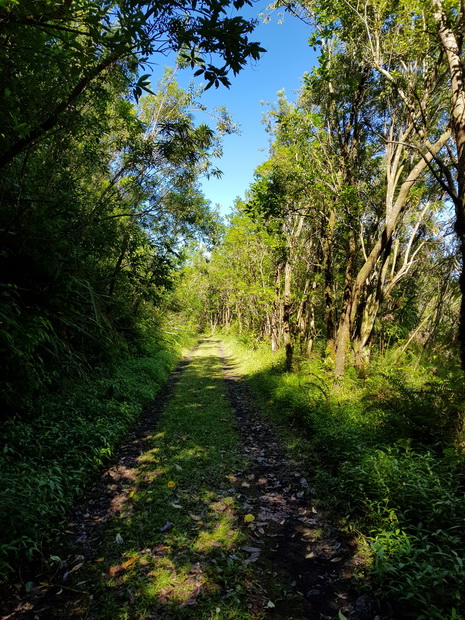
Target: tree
{"x": 413, "y": 48}
{"x": 53, "y": 56}
{"x": 450, "y": 31}
{"x": 92, "y": 229}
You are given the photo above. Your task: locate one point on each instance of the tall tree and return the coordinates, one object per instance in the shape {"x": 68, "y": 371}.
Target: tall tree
{"x": 412, "y": 48}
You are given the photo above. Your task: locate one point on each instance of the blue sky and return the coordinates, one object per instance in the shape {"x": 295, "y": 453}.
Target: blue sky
{"x": 287, "y": 58}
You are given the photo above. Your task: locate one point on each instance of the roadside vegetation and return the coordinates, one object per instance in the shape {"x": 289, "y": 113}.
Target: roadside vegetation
{"x": 386, "y": 458}
{"x": 49, "y": 458}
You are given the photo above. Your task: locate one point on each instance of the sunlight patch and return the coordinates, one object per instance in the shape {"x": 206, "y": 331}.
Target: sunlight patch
{"x": 177, "y": 585}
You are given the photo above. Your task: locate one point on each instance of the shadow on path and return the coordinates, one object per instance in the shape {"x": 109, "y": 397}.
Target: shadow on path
{"x": 305, "y": 564}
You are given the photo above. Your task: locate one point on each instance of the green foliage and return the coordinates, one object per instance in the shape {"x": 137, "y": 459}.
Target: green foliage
{"x": 52, "y": 58}
{"x": 93, "y": 229}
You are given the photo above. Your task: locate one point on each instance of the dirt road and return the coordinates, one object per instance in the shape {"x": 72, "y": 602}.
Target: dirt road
{"x": 202, "y": 515}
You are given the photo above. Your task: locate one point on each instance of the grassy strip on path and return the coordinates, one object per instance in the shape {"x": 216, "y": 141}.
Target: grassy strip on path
{"x": 174, "y": 547}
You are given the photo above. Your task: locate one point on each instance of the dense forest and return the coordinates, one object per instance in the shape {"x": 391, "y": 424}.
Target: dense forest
{"x": 338, "y": 278}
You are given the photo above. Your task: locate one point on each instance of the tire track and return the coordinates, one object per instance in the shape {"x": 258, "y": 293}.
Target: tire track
{"x": 304, "y": 564}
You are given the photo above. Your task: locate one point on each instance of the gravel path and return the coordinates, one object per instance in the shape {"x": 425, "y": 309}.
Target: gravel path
{"x": 303, "y": 562}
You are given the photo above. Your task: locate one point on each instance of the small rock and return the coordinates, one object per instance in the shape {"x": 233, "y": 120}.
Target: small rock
{"x": 313, "y": 592}
{"x": 363, "y": 607}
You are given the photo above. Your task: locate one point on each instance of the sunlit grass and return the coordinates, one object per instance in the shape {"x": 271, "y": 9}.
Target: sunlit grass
{"x": 224, "y": 533}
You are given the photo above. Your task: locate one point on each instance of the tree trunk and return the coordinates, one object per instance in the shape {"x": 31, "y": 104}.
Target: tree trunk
{"x": 55, "y": 115}
{"x": 452, "y": 50}
{"x": 287, "y": 316}
{"x": 393, "y": 217}
{"x": 119, "y": 262}
{"x": 327, "y": 251}
{"x": 239, "y": 318}
{"x": 368, "y": 311}
{"x": 275, "y": 319}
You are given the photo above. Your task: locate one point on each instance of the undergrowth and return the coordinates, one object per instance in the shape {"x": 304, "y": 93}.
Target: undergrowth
{"x": 387, "y": 455}
{"x": 49, "y": 453}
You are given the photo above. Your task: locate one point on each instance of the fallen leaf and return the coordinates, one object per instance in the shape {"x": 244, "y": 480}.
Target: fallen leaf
{"x": 249, "y": 518}
{"x": 195, "y": 517}
{"x": 166, "y": 527}
{"x": 119, "y": 539}
{"x": 129, "y": 562}
{"x": 77, "y": 567}
{"x": 114, "y": 570}
{"x": 336, "y": 559}
{"x": 270, "y": 604}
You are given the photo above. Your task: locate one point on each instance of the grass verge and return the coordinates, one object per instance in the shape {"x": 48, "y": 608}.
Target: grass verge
{"x": 48, "y": 457}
